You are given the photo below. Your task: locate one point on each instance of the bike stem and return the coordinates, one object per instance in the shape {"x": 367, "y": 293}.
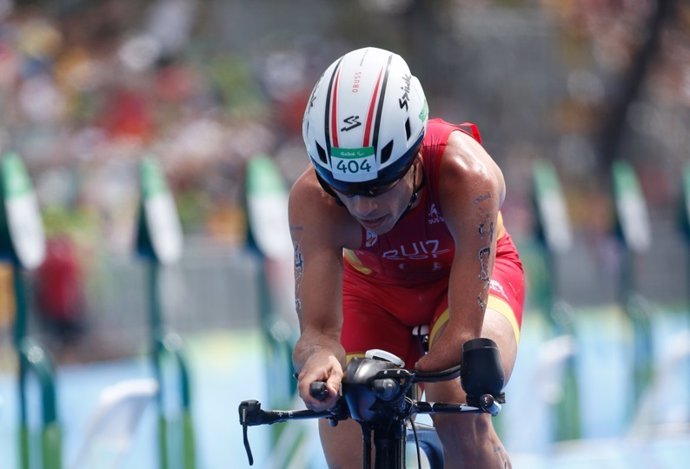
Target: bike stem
{"x": 389, "y": 444}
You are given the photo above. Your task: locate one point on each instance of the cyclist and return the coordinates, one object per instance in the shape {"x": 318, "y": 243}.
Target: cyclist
{"x": 396, "y": 223}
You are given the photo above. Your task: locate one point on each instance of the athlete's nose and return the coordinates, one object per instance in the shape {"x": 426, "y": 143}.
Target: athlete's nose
{"x": 362, "y": 206}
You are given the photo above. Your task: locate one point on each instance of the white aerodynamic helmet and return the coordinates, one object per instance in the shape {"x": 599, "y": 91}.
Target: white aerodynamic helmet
{"x": 364, "y": 122}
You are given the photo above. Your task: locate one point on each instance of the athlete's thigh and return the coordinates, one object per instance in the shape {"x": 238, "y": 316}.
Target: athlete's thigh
{"x": 502, "y": 319}
{"x": 497, "y": 328}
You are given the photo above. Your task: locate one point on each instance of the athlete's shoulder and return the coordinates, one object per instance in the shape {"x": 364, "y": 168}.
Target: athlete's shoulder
{"x": 439, "y": 129}
{"x": 307, "y": 198}
{"x": 306, "y": 186}
{"x": 466, "y": 166}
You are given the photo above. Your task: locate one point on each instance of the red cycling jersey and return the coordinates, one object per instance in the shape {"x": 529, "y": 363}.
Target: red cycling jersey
{"x": 399, "y": 280}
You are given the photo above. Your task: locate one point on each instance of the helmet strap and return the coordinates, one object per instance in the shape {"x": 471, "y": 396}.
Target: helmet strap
{"x": 415, "y": 189}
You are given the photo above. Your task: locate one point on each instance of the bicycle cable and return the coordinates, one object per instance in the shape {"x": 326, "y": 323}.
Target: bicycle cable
{"x": 414, "y": 432}
{"x": 416, "y": 442}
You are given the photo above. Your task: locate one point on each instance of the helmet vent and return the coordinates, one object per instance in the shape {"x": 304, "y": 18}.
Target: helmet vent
{"x": 322, "y": 154}
{"x": 386, "y": 152}
{"x": 408, "y": 132}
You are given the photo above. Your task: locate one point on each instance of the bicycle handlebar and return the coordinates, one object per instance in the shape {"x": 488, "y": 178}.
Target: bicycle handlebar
{"x": 318, "y": 390}
{"x": 386, "y": 385}
{"x": 375, "y": 390}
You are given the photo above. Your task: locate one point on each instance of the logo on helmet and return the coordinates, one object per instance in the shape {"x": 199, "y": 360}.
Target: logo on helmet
{"x": 405, "y": 98}
{"x": 312, "y": 98}
{"x": 352, "y": 121}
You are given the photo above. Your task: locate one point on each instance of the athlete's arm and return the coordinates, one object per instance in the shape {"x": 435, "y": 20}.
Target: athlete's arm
{"x": 471, "y": 191}
{"x": 314, "y": 220}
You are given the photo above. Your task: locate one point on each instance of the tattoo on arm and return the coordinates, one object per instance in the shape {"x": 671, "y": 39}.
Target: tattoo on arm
{"x": 500, "y": 451}
{"x": 481, "y": 198}
{"x": 487, "y": 223}
{"x": 486, "y": 231}
{"x": 484, "y": 259}
{"x": 481, "y": 301}
{"x": 484, "y": 276}
{"x": 299, "y": 261}
{"x": 299, "y": 273}
{"x": 298, "y": 308}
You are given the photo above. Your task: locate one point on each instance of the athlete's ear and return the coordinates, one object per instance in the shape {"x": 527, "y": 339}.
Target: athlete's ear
{"x": 419, "y": 169}
{"x": 418, "y": 158}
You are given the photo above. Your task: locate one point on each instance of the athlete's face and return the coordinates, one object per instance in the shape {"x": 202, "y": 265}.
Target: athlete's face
{"x": 379, "y": 214}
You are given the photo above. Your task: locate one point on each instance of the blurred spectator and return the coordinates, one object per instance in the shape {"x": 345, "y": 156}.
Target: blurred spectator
{"x": 6, "y": 297}
{"x": 127, "y": 114}
{"x": 60, "y": 291}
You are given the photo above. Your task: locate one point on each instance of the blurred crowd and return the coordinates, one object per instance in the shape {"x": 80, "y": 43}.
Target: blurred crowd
{"x": 86, "y": 90}
{"x": 89, "y": 87}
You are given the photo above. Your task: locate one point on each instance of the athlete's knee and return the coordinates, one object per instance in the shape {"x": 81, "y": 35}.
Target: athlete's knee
{"x": 466, "y": 430}
{"x": 502, "y": 333}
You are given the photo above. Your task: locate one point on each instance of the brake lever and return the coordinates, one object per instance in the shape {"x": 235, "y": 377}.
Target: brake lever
{"x": 247, "y": 411}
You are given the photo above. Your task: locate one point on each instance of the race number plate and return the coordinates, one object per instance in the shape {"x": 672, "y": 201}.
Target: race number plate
{"x": 353, "y": 164}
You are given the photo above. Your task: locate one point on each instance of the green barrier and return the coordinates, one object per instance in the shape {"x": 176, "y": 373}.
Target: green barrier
{"x": 634, "y": 230}
{"x": 278, "y": 340}
{"x": 685, "y": 220}
{"x": 685, "y": 206}
{"x": 685, "y": 228}
{"x": 159, "y": 243}
{"x": 269, "y": 239}
{"x": 554, "y": 236}
{"x": 47, "y": 445}
{"x": 22, "y": 243}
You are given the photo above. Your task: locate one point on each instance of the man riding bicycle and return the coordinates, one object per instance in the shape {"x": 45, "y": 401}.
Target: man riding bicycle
{"x": 397, "y": 224}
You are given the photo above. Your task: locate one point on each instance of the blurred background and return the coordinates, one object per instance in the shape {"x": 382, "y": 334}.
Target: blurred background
{"x": 588, "y": 98}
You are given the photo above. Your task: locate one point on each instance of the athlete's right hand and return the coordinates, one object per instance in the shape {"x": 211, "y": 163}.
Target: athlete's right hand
{"x": 321, "y": 366}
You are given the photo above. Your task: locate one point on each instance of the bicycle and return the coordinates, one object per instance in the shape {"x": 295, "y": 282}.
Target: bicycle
{"x": 381, "y": 396}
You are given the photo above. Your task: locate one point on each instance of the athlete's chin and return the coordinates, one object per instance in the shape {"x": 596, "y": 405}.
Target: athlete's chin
{"x": 380, "y": 226}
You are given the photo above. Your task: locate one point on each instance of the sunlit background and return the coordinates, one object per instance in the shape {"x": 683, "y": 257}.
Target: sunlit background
{"x": 577, "y": 93}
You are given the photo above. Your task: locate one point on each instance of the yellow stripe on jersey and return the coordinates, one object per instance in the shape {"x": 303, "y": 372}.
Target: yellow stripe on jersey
{"x": 501, "y": 230}
{"x": 500, "y": 305}
{"x": 355, "y": 262}
{"x": 494, "y": 303}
